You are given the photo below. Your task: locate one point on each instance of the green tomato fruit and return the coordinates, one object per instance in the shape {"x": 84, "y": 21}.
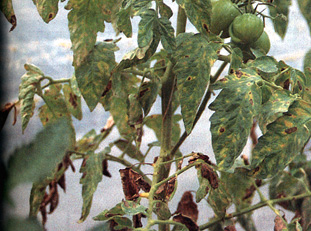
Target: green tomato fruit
{"x": 263, "y": 43}
{"x": 223, "y": 13}
{"x": 246, "y": 28}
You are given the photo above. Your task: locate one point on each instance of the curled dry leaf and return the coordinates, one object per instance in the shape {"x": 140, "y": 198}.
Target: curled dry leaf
{"x": 105, "y": 168}
{"x": 199, "y": 156}
{"x": 187, "y": 207}
{"x": 230, "y": 228}
{"x": 168, "y": 188}
{"x": 209, "y": 173}
{"x": 4, "y": 112}
{"x": 137, "y": 220}
{"x": 188, "y": 222}
{"x": 132, "y": 182}
{"x": 279, "y": 224}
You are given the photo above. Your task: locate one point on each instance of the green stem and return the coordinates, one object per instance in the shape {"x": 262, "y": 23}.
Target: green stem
{"x": 181, "y": 21}
{"x": 252, "y": 208}
{"x": 54, "y": 81}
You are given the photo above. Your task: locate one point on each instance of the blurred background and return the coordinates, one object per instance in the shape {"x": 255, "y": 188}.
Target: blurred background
{"x": 48, "y": 47}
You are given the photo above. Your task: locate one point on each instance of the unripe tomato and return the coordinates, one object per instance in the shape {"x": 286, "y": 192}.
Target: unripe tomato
{"x": 246, "y": 28}
{"x": 223, "y": 13}
{"x": 263, "y": 43}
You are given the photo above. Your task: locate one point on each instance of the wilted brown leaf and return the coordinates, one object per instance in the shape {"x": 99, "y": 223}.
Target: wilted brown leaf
{"x": 279, "y": 224}
{"x": 230, "y": 228}
{"x": 197, "y": 156}
{"x": 188, "y": 222}
{"x": 167, "y": 188}
{"x": 105, "y": 168}
{"x": 209, "y": 173}
{"x": 4, "y": 112}
{"x": 137, "y": 221}
{"x": 187, "y": 207}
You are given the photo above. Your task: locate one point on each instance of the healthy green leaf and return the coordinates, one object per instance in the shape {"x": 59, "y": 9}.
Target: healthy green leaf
{"x": 280, "y": 11}
{"x": 7, "y": 9}
{"x": 73, "y": 102}
{"x": 27, "y": 89}
{"x": 304, "y": 6}
{"x": 55, "y": 106}
{"x": 195, "y": 56}
{"x": 92, "y": 175}
{"x": 284, "y": 139}
{"x": 235, "y": 107}
{"x": 47, "y": 9}
{"x": 39, "y": 158}
{"x": 199, "y": 13}
{"x": 93, "y": 75}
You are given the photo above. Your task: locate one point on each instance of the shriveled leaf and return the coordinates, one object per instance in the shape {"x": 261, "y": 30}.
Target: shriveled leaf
{"x": 284, "y": 139}
{"x": 38, "y": 159}
{"x": 27, "y": 90}
{"x": 148, "y": 93}
{"x": 36, "y": 197}
{"x": 187, "y": 221}
{"x": 129, "y": 149}
{"x": 219, "y": 199}
{"x": 167, "y": 34}
{"x": 204, "y": 185}
{"x": 14, "y": 224}
{"x": 92, "y": 175}
{"x": 278, "y": 103}
{"x": 73, "y": 102}
{"x": 94, "y": 74}
{"x": 280, "y": 11}
{"x": 304, "y": 6}
{"x": 195, "y": 56}
{"x": 8, "y": 11}
{"x": 199, "y": 13}
{"x": 235, "y": 107}
{"x": 4, "y": 112}
{"x": 230, "y": 228}
{"x": 47, "y": 9}
{"x": 132, "y": 208}
{"x": 55, "y": 106}
{"x": 279, "y": 224}
{"x": 187, "y": 207}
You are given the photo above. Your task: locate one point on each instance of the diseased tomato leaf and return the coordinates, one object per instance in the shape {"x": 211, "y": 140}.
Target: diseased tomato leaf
{"x": 129, "y": 149}
{"x": 7, "y": 9}
{"x": 195, "y": 56}
{"x": 148, "y": 93}
{"x": 13, "y": 224}
{"x": 167, "y": 35}
{"x": 55, "y": 106}
{"x": 132, "y": 208}
{"x": 162, "y": 210}
{"x": 92, "y": 175}
{"x": 199, "y": 13}
{"x": 280, "y": 12}
{"x": 73, "y": 102}
{"x": 187, "y": 221}
{"x": 94, "y": 73}
{"x": 285, "y": 139}
{"x": 307, "y": 72}
{"x": 27, "y": 90}
{"x": 47, "y": 9}
{"x": 235, "y": 107}
{"x": 148, "y": 22}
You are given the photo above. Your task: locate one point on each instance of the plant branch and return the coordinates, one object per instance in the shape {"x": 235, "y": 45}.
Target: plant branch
{"x": 252, "y": 208}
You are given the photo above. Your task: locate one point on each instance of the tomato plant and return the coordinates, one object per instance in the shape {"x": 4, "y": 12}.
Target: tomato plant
{"x": 253, "y": 92}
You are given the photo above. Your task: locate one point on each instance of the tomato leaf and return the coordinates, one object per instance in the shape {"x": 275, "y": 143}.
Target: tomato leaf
{"x": 93, "y": 75}
{"x": 280, "y": 11}
{"x": 199, "y": 13}
{"x": 304, "y": 6}
{"x": 55, "y": 106}
{"x": 146, "y": 26}
{"x": 15, "y": 223}
{"x": 7, "y": 9}
{"x": 307, "y": 72}
{"x": 195, "y": 56}
{"x": 235, "y": 107}
{"x": 148, "y": 93}
{"x": 132, "y": 208}
{"x": 284, "y": 139}
{"x": 73, "y": 102}
{"x": 39, "y": 158}
{"x": 92, "y": 175}
{"x": 27, "y": 90}
{"x": 47, "y": 9}
{"x": 167, "y": 35}
{"x": 129, "y": 149}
